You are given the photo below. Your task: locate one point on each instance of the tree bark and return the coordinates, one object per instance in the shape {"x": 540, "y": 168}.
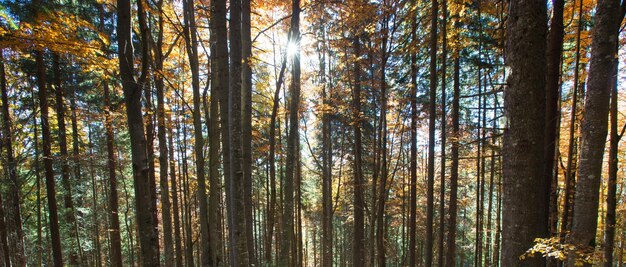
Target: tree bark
{"x": 413, "y": 168}
{"x": 358, "y": 258}
{"x": 525, "y": 203}
{"x": 442, "y": 190}
{"x": 594, "y": 127}
{"x": 148, "y": 235}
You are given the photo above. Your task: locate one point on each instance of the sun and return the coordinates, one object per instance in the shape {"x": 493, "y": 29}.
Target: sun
{"x": 293, "y": 49}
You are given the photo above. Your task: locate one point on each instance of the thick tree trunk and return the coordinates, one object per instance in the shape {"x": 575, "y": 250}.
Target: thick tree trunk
{"x": 594, "y": 127}
{"x": 14, "y": 233}
{"x": 525, "y": 203}
{"x": 148, "y": 235}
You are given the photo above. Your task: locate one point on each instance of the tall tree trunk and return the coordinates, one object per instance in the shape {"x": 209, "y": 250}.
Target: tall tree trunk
{"x": 166, "y": 216}
{"x": 611, "y": 199}
{"x": 594, "y": 127}
{"x": 219, "y": 82}
{"x": 568, "y": 198}
{"x": 57, "y": 253}
{"x": 192, "y": 53}
{"x": 175, "y": 210}
{"x": 114, "y": 221}
{"x": 236, "y": 189}
{"x": 431, "y": 134}
{"x": 554, "y": 54}
{"x": 358, "y": 258}
{"x": 413, "y": 168}
{"x": 293, "y": 144}
{"x": 148, "y": 235}
{"x": 382, "y": 191}
{"x": 327, "y": 162}
{"x": 246, "y": 134}
{"x": 442, "y": 191}
{"x": 14, "y": 234}
{"x": 454, "y": 169}
{"x": 525, "y": 203}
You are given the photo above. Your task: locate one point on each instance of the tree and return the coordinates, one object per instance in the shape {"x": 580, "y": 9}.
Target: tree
{"x": 147, "y": 228}
{"x": 594, "y": 127}
{"x": 525, "y": 203}
{"x": 358, "y": 258}
{"x": 431, "y": 134}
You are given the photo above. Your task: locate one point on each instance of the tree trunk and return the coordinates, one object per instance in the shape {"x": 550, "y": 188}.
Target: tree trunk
{"x": 148, "y": 235}
{"x": 554, "y": 54}
{"x": 413, "y": 168}
{"x": 454, "y": 169}
{"x": 442, "y": 190}
{"x": 293, "y": 141}
{"x": 15, "y": 234}
{"x": 358, "y": 258}
{"x": 611, "y": 199}
{"x": 431, "y": 135}
{"x": 525, "y": 203}
{"x": 175, "y": 210}
{"x": 594, "y": 127}
{"x": 246, "y": 134}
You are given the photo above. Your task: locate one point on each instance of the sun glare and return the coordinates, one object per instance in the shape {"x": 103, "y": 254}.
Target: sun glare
{"x": 293, "y": 49}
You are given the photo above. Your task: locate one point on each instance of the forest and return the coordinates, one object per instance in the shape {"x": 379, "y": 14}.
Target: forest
{"x": 312, "y": 133}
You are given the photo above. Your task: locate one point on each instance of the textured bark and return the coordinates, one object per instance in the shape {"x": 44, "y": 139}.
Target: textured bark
{"x": 327, "y": 162}
{"x": 14, "y": 233}
{"x": 553, "y": 92}
{"x": 525, "y": 203}
{"x": 236, "y": 189}
{"x": 431, "y": 135}
{"x": 147, "y": 228}
{"x": 293, "y": 145}
{"x": 215, "y": 214}
{"x": 358, "y": 258}
{"x": 454, "y": 170}
{"x": 594, "y": 126}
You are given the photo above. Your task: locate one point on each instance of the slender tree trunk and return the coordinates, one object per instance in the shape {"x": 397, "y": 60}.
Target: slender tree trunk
{"x": 358, "y": 258}
{"x": 38, "y": 185}
{"x": 611, "y": 199}
{"x": 192, "y": 53}
{"x": 525, "y": 190}
{"x": 431, "y": 135}
{"x": 246, "y": 134}
{"x": 568, "y": 198}
{"x": 148, "y": 235}
{"x": 175, "y": 210}
{"x": 327, "y": 204}
{"x": 286, "y": 255}
{"x": 454, "y": 170}
{"x": 442, "y": 191}
{"x": 413, "y": 168}
{"x": 554, "y": 54}
{"x": 594, "y": 127}
{"x": 53, "y": 216}
{"x": 15, "y": 234}
{"x": 382, "y": 196}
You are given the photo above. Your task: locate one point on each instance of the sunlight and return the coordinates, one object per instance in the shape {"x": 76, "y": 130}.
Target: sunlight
{"x": 293, "y": 49}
